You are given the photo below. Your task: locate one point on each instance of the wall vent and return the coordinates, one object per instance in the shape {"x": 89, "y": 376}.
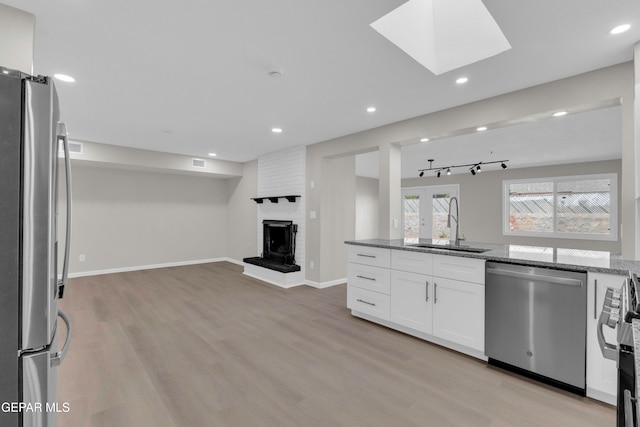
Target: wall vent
{"x": 74, "y": 147}
{"x": 198, "y": 163}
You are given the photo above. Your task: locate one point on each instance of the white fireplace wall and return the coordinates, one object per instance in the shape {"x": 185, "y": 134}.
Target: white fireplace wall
{"x": 282, "y": 174}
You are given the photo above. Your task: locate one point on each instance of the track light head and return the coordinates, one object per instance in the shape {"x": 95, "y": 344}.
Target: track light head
{"x": 473, "y": 171}
{"x": 478, "y": 169}
{"x": 448, "y": 171}
{"x": 438, "y": 174}
{"x": 503, "y": 165}
{"x": 421, "y": 174}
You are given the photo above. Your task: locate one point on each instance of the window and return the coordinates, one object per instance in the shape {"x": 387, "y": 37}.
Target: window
{"x": 576, "y": 207}
{"x": 425, "y": 211}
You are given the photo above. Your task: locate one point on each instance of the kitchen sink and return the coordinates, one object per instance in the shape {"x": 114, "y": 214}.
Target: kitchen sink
{"x": 450, "y": 247}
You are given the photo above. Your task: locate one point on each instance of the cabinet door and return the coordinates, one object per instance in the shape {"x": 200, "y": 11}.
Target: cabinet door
{"x": 458, "y": 312}
{"x": 601, "y": 372}
{"x": 411, "y": 296}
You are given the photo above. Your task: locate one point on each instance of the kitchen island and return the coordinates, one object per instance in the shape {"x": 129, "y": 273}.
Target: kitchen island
{"x": 539, "y": 256}
{"x": 436, "y": 292}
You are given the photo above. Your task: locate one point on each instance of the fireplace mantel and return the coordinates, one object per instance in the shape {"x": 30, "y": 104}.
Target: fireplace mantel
{"x": 274, "y": 199}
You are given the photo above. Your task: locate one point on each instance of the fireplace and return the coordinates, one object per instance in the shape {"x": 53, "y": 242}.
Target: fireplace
{"x": 278, "y": 246}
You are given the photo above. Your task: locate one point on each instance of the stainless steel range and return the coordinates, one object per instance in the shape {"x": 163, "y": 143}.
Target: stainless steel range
{"x": 620, "y": 308}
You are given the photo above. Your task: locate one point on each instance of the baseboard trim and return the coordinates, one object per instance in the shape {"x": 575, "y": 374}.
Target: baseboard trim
{"x": 147, "y": 267}
{"x": 325, "y": 285}
{"x": 317, "y": 285}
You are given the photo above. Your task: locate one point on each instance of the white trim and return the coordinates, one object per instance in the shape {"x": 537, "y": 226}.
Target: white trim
{"x": 325, "y": 285}
{"x": 147, "y": 267}
{"x": 425, "y": 194}
{"x": 602, "y": 396}
{"x": 283, "y": 280}
{"x": 613, "y": 214}
{"x": 235, "y": 261}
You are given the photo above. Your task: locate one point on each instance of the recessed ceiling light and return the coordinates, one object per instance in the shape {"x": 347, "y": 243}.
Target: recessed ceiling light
{"x": 424, "y": 140}
{"x": 276, "y": 130}
{"x": 64, "y": 78}
{"x": 212, "y": 154}
{"x": 620, "y": 29}
{"x": 371, "y": 109}
{"x": 462, "y": 80}
{"x": 481, "y": 128}
{"x": 559, "y": 113}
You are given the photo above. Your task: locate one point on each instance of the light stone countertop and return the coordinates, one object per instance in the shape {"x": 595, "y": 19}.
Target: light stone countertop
{"x": 552, "y": 257}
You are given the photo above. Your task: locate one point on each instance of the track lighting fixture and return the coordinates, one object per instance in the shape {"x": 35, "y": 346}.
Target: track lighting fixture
{"x": 474, "y": 168}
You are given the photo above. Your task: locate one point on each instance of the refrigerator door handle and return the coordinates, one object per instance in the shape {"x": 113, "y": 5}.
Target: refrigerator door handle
{"x": 62, "y": 137}
{"x": 57, "y": 359}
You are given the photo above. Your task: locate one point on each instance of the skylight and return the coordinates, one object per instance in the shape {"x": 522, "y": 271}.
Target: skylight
{"x": 443, "y": 35}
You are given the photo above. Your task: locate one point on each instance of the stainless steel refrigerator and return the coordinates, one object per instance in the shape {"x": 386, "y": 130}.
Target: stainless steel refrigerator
{"x": 30, "y": 283}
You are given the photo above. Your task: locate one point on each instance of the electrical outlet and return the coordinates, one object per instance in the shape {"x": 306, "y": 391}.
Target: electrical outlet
{"x": 82, "y": 258}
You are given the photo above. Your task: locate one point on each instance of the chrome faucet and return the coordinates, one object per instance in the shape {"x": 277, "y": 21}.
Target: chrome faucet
{"x": 456, "y": 218}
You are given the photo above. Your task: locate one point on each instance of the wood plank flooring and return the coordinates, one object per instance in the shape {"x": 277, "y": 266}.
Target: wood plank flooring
{"x": 205, "y": 345}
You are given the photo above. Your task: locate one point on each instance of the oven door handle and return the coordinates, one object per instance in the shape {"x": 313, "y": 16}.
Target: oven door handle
{"x": 629, "y": 409}
{"x": 609, "y": 351}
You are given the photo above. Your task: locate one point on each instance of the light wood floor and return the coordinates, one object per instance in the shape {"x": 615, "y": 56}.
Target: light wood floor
{"x": 206, "y": 346}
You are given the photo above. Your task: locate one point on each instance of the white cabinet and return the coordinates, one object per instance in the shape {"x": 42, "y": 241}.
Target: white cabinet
{"x": 411, "y": 296}
{"x": 368, "y": 255}
{"x": 439, "y": 297}
{"x": 369, "y": 280}
{"x": 369, "y": 302}
{"x": 601, "y": 372}
{"x": 413, "y": 262}
{"x": 458, "y": 312}
{"x": 459, "y": 268}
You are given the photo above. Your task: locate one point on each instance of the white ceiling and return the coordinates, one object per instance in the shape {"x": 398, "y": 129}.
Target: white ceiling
{"x": 191, "y": 76}
{"x": 585, "y": 137}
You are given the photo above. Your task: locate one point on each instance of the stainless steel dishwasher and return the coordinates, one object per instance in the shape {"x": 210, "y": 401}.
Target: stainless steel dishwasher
{"x": 535, "y": 322}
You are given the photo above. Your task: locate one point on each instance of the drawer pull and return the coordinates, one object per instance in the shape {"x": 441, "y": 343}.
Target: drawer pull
{"x": 366, "y": 278}
{"x": 367, "y": 256}
{"x": 427, "y": 293}
{"x": 435, "y": 293}
{"x": 366, "y": 302}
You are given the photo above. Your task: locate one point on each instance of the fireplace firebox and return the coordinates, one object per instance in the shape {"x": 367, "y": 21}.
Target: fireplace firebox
{"x": 278, "y": 246}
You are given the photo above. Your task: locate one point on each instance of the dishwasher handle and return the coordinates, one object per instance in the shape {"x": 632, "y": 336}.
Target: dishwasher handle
{"x": 526, "y": 275}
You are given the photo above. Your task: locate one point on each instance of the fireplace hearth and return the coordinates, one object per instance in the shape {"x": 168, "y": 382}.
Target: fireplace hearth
{"x": 278, "y": 246}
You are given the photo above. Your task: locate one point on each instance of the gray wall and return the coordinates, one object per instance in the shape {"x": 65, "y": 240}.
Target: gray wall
{"x": 367, "y": 207}
{"x": 481, "y": 202}
{"x": 590, "y": 89}
{"x": 125, "y": 218}
{"x": 243, "y": 213}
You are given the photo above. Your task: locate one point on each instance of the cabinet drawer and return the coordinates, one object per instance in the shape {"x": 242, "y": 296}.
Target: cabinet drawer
{"x": 413, "y": 262}
{"x": 369, "y": 302}
{"x": 368, "y": 277}
{"x": 378, "y": 257}
{"x": 459, "y": 268}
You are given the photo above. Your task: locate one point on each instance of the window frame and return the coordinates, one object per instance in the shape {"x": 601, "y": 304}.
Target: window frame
{"x": 425, "y": 193}
{"x": 613, "y": 214}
